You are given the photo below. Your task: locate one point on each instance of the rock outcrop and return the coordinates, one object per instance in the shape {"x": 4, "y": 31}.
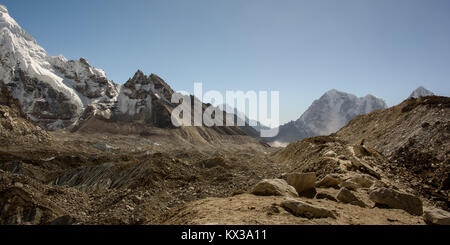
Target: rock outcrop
{"x": 304, "y": 183}
{"x": 274, "y": 187}
{"x": 436, "y": 216}
{"x": 365, "y": 181}
{"x": 330, "y": 180}
{"x": 325, "y": 195}
{"x": 302, "y": 209}
{"x": 394, "y": 199}
{"x": 346, "y": 196}
{"x": 413, "y": 136}
{"x": 350, "y": 185}
{"x": 57, "y": 93}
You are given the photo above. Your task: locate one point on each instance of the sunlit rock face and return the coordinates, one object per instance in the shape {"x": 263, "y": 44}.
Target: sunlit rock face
{"x": 328, "y": 114}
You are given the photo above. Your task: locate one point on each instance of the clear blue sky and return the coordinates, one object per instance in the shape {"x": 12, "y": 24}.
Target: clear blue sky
{"x": 301, "y": 48}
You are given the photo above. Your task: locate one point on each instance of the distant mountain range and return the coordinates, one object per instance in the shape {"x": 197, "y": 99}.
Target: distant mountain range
{"x": 331, "y": 112}
{"x": 58, "y": 93}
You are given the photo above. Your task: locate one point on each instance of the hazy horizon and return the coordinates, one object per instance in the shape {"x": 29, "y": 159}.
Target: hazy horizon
{"x": 300, "y": 48}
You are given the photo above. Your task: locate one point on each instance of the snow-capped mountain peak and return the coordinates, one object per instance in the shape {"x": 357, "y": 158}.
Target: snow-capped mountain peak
{"x": 420, "y": 92}
{"x": 51, "y": 90}
{"x": 328, "y": 114}
{"x": 6, "y": 20}
{"x": 58, "y": 93}
{"x": 20, "y": 49}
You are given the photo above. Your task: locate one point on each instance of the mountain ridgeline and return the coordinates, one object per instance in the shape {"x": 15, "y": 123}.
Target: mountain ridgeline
{"x": 327, "y": 115}
{"x": 57, "y": 93}
{"x": 78, "y": 149}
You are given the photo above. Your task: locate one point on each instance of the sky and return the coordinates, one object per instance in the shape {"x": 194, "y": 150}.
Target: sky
{"x": 300, "y": 48}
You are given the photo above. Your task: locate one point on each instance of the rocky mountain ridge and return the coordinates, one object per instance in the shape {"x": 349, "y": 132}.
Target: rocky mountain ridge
{"x": 121, "y": 163}
{"x": 52, "y": 91}
{"x": 328, "y": 114}
{"x": 57, "y": 93}
{"x": 414, "y": 137}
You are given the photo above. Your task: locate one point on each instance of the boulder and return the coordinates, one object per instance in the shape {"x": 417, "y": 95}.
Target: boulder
{"x": 435, "y": 216}
{"x": 302, "y": 209}
{"x": 379, "y": 184}
{"x": 346, "y": 196}
{"x": 325, "y": 195}
{"x": 330, "y": 154}
{"x": 364, "y": 180}
{"x": 350, "y": 185}
{"x": 304, "y": 183}
{"x": 366, "y": 168}
{"x": 274, "y": 187}
{"x": 393, "y": 199}
{"x": 331, "y": 180}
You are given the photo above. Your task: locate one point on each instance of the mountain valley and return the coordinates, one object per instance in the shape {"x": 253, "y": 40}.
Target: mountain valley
{"x": 78, "y": 149}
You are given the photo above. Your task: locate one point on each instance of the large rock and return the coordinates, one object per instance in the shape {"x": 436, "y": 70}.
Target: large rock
{"x": 350, "y": 185}
{"x": 274, "y": 187}
{"x": 364, "y": 180}
{"x": 326, "y": 195}
{"x": 304, "y": 183}
{"x": 366, "y": 168}
{"x": 331, "y": 180}
{"x": 346, "y": 196}
{"x": 330, "y": 154}
{"x": 309, "y": 211}
{"x": 436, "y": 216}
{"x": 397, "y": 200}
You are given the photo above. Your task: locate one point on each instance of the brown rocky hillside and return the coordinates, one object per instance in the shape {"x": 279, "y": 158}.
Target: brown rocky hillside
{"x": 201, "y": 176}
{"x": 414, "y": 137}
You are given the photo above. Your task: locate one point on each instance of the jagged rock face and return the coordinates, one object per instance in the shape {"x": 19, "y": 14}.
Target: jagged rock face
{"x": 328, "y": 114}
{"x": 51, "y": 90}
{"x": 88, "y": 81}
{"x": 144, "y": 99}
{"x": 57, "y": 93}
{"x": 334, "y": 110}
{"x": 41, "y": 102}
